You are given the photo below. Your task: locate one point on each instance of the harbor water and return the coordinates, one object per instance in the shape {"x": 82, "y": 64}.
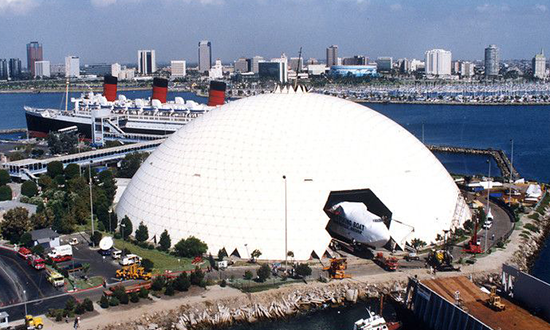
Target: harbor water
{"x": 454, "y": 125}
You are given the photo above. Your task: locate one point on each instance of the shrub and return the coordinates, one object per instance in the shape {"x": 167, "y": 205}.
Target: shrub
{"x": 223, "y": 283}
{"x": 54, "y": 169}
{"x": 29, "y": 188}
{"x": 143, "y": 293}
{"x": 96, "y": 237}
{"x": 114, "y": 301}
{"x": 264, "y": 272}
{"x": 534, "y": 216}
{"x": 165, "y": 242}
{"x": 4, "y": 177}
{"x": 197, "y": 276}
{"x": 88, "y": 304}
{"x": 182, "y": 282}
{"x": 150, "y": 247}
{"x": 127, "y": 229}
{"x": 248, "y": 275}
{"x": 26, "y": 240}
{"x": 5, "y": 193}
{"x": 190, "y": 247}
{"x": 158, "y": 283}
{"x": 134, "y": 297}
{"x": 303, "y": 270}
{"x": 80, "y": 309}
{"x": 124, "y": 299}
{"x": 500, "y": 244}
{"x": 169, "y": 289}
{"x": 104, "y": 302}
{"x": 70, "y": 304}
{"x": 148, "y": 264}
{"x": 531, "y": 227}
{"x": 142, "y": 233}
{"x": 24, "y": 199}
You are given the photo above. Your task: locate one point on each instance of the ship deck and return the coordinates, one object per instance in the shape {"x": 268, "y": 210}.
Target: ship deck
{"x": 512, "y": 318}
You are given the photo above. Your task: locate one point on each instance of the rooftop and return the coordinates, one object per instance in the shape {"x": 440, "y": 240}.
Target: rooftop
{"x": 43, "y": 233}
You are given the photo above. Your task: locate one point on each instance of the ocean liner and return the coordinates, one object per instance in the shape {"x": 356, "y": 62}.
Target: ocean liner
{"x": 99, "y": 117}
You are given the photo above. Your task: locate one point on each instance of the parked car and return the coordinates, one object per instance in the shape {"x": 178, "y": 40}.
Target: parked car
{"x": 115, "y": 254}
{"x": 130, "y": 259}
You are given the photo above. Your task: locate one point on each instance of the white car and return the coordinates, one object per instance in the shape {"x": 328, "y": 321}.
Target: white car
{"x": 487, "y": 225}
{"x": 73, "y": 241}
{"x": 130, "y": 259}
{"x": 116, "y": 254}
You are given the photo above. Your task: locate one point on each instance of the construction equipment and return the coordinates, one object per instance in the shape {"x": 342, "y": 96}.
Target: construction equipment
{"x": 389, "y": 263}
{"x": 473, "y": 245}
{"x": 337, "y": 268}
{"x": 494, "y": 301}
{"x": 134, "y": 272}
{"x": 441, "y": 260}
{"x": 32, "y": 322}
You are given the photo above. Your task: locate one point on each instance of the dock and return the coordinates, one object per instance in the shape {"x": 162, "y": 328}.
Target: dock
{"x": 500, "y": 157}
{"x": 435, "y": 303}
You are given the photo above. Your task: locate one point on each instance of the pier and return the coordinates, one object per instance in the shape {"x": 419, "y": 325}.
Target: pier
{"x": 502, "y": 161}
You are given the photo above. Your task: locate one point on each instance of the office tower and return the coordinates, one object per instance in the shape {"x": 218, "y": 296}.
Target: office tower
{"x": 216, "y": 71}
{"x": 72, "y": 66}
{"x": 34, "y": 53}
{"x": 539, "y": 65}
{"x": 312, "y": 60}
{"x": 14, "y": 68}
{"x": 491, "y": 61}
{"x": 115, "y": 69}
{"x": 296, "y": 63}
{"x": 467, "y": 69}
{"x": 178, "y": 69}
{"x": 146, "y": 62}
{"x": 42, "y": 69}
{"x": 254, "y": 64}
{"x": 332, "y": 55}
{"x": 205, "y": 56}
{"x": 384, "y": 64}
{"x": 355, "y": 60}
{"x": 275, "y": 70}
{"x": 242, "y": 65}
{"x": 100, "y": 69}
{"x": 438, "y": 62}
{"x": 4, "y": 74}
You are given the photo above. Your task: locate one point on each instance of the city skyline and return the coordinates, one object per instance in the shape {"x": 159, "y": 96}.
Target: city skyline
{"x": 247, "y": 28}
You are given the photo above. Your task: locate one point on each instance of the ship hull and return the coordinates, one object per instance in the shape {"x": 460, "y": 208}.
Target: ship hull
{"x": 39, "y": 126}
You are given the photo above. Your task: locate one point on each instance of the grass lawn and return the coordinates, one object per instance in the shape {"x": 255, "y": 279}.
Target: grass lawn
{"x": 163, "y": 261}
{"x": 93, "y": 281}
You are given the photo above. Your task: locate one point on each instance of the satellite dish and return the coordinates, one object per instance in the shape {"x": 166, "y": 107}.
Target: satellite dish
{"x": 106, "y": 243}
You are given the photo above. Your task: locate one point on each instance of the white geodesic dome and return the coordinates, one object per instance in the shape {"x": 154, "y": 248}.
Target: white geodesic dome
{"x": 220, "y": 178}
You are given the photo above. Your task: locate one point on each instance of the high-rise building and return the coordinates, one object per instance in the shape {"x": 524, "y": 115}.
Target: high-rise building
{"x": 467, "y": 69}
{"x": 216, "y": 71}
{"x": 100, "y": 69}
{"x": 539, "y": 65}
{"x": 115, "y": 69}
{"x": 491, "y": 61}
{"x": 276, "y": 70}
{"x": 14, "y": 68}
{"x": 34, "y": 53}
{"x": 242, "y": 65}
{"x": 254, "y": 64}
{"x": 41, "y": 69}
{"x": 4, "y": 73}
{"x": 146, "y": 62}
{"x": 178, "y": 69}
{"x": 205, "y": 56}
{"x": 296, "y": 63}
{"x": 332, "y": 55}
{"x": 384, "y": 64}
{"x": 355, "y": 60}
{"x": 438, "y": 62}
{"x": 72, "y": 66}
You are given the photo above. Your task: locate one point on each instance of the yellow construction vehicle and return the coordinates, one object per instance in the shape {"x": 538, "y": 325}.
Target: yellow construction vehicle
{"x": 134, "y": 272}
{"x": 494, "y": 300}
{"x": 337, "y": 269}
{"x": 33, "y": 322}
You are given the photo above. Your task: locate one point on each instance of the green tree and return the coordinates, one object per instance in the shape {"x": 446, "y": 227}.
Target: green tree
{"x": 5, "y": 193}
{"x": 26, "y": 240}
{"x": 264, "y": 272}
{"x": 248, "y": 275}
{"x": 54, "y": 144}
{"x": 42, "y": 219}
{"x": 16, "y": 222}
{"x": 222, "y": 253}
{"x": 126, "y": 227}
{"x": 196, "y": 276}
{"x": 104, "y": 302}
{"x": 131, "y": 163}
{"x": 148, "y": 264}
{"x": 255, "y": 254}
{"x": 4, "y": 177}
{"x": 54, "y": 169}
{"x": 96, "y": 237}
{"x": 59, "y": 180}
{"x": 182, "y": 282}
{"x": 190, "y": 247}
{"x": 143, "y": 293}
{"x": 88, "y": 305}
{"x": 46, "y": 182}
{"x": 158, "y": 283}
{"x": 107, "y": 182}
{"x": 142, "y": 233}
{"x": 29, "y": 188}
{"x": 417, "y": 243}
{"x": 134, "y": 297}
{"x": 169, "y": 291}
{"x": 72, "y": 171}
{"x": 303, "y": 270}
{"x": 165, "y": 242}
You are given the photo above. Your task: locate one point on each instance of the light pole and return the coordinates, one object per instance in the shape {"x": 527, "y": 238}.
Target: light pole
{"x": 488, "y": 206}
{"x": 511, "y": 172}
{"x": 122, "y": 226}
{"x": 91, "y": 201}
{"x": 286, "y": 226}
{"x": 110, "y": 219}
{"x": 25, "y": 297}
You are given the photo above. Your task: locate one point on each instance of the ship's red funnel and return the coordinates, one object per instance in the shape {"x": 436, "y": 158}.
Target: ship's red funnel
{"x": 109, "y": 87}
{"x": 216, "y": 96}
{"x": 160, "y": 89}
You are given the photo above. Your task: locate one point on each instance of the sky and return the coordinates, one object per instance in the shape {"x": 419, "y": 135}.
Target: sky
{"x": 107, "y": 31}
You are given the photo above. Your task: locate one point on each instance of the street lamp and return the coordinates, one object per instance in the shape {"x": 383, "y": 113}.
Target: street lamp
{"x": 122, "y": 226}
{"x": 25, "y": 297}
{"x": 91, "y": 201}
{"x": 488, "y": 206}
{"x": 286, "y": 226}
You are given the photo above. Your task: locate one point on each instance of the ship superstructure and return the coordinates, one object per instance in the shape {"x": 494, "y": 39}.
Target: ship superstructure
{"x": 119, "y": 118}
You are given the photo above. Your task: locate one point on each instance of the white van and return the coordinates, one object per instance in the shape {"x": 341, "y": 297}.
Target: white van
{"x": 115, "y": 254}
{"x": 130, "y": 259}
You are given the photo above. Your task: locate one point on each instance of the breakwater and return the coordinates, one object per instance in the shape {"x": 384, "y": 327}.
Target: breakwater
{"x": 500, "y": 157}
{"x": 13, "y": 130}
